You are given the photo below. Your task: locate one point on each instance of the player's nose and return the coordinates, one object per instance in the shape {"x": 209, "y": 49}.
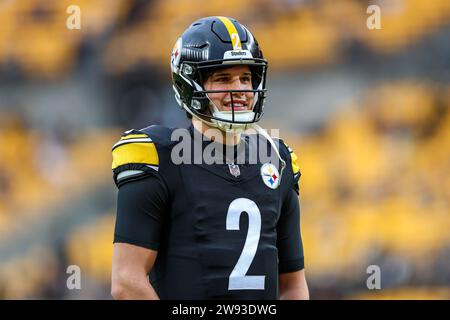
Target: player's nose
{"x": 236, "y": 84}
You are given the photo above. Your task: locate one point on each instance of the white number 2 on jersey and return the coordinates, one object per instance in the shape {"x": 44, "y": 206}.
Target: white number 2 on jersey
{"x": 238, "y": 279}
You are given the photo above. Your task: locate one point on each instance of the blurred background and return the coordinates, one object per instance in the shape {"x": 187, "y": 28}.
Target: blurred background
{"x": 367, "y": 112}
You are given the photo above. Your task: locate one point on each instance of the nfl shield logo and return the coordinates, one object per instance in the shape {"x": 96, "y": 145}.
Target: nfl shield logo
{"x": 234, "y": 169}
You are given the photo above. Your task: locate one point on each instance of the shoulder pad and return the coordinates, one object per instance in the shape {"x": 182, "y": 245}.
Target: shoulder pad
{"x": 134, "y": 156}
{"x": 294, "y": 165}
{"x": 294, "y": 160}
{"x": 159, "y": 134}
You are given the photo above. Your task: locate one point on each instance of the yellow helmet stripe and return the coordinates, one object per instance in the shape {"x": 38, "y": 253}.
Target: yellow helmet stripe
{"x": 234, "y": 35}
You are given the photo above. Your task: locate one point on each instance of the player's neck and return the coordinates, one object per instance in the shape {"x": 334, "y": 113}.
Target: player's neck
{"x": 211, "y": 133}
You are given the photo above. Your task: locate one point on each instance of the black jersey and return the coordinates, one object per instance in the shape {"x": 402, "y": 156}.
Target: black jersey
{"x": 222, "y": 231}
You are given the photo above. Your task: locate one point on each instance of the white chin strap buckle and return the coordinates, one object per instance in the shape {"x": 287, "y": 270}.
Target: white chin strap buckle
{"x": 240, "y": 116}
{"x": 247, "y": 116}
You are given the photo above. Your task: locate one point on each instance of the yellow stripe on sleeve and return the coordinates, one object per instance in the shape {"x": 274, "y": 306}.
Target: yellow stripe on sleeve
{"x": 134, "y": 136}
{"x": 135, "y": 153}
{"x": 295, "y": 167}
{"x": 294, "y": 158}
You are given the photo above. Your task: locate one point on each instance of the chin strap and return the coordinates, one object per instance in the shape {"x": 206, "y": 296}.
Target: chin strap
{"x": 272, "y": 143}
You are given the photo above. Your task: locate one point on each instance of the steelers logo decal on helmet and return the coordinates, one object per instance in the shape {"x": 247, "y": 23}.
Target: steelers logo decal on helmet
{"x": 270, "y": 175}
{"x": 176, "y": 54}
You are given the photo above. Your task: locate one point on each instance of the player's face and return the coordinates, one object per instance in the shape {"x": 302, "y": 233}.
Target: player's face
{"x": 233, "y": 78}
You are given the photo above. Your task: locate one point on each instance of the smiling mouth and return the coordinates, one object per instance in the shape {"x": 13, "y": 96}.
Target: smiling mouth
{"x": 238, "y": 106}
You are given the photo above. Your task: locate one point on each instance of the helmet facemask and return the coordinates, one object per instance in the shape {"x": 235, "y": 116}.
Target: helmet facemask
{"x": 203, "y": 107}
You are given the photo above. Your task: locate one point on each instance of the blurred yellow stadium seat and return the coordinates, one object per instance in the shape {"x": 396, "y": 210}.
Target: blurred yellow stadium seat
{"x": 91, "y": 247}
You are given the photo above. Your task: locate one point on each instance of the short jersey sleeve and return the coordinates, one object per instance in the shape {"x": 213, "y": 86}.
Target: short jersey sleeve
{"x": 141, "y": 207}
{"x": 143, "y": 197}
{"x": 289, "y": 240}
{"x": 134, "y": 157}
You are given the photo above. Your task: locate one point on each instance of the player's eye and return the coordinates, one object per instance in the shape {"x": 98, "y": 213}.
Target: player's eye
{"x": 221, "y": 79}
{"x": 246, "y": 79}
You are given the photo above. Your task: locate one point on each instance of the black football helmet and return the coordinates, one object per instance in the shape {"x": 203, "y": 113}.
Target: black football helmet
{"x": 209, "y": 44}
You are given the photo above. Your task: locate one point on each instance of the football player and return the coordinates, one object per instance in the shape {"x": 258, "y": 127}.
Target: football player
{"x": 201, "y": 230}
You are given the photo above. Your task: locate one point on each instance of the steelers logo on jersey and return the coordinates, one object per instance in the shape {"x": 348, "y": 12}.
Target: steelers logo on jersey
{"x": 270, "y": 175}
